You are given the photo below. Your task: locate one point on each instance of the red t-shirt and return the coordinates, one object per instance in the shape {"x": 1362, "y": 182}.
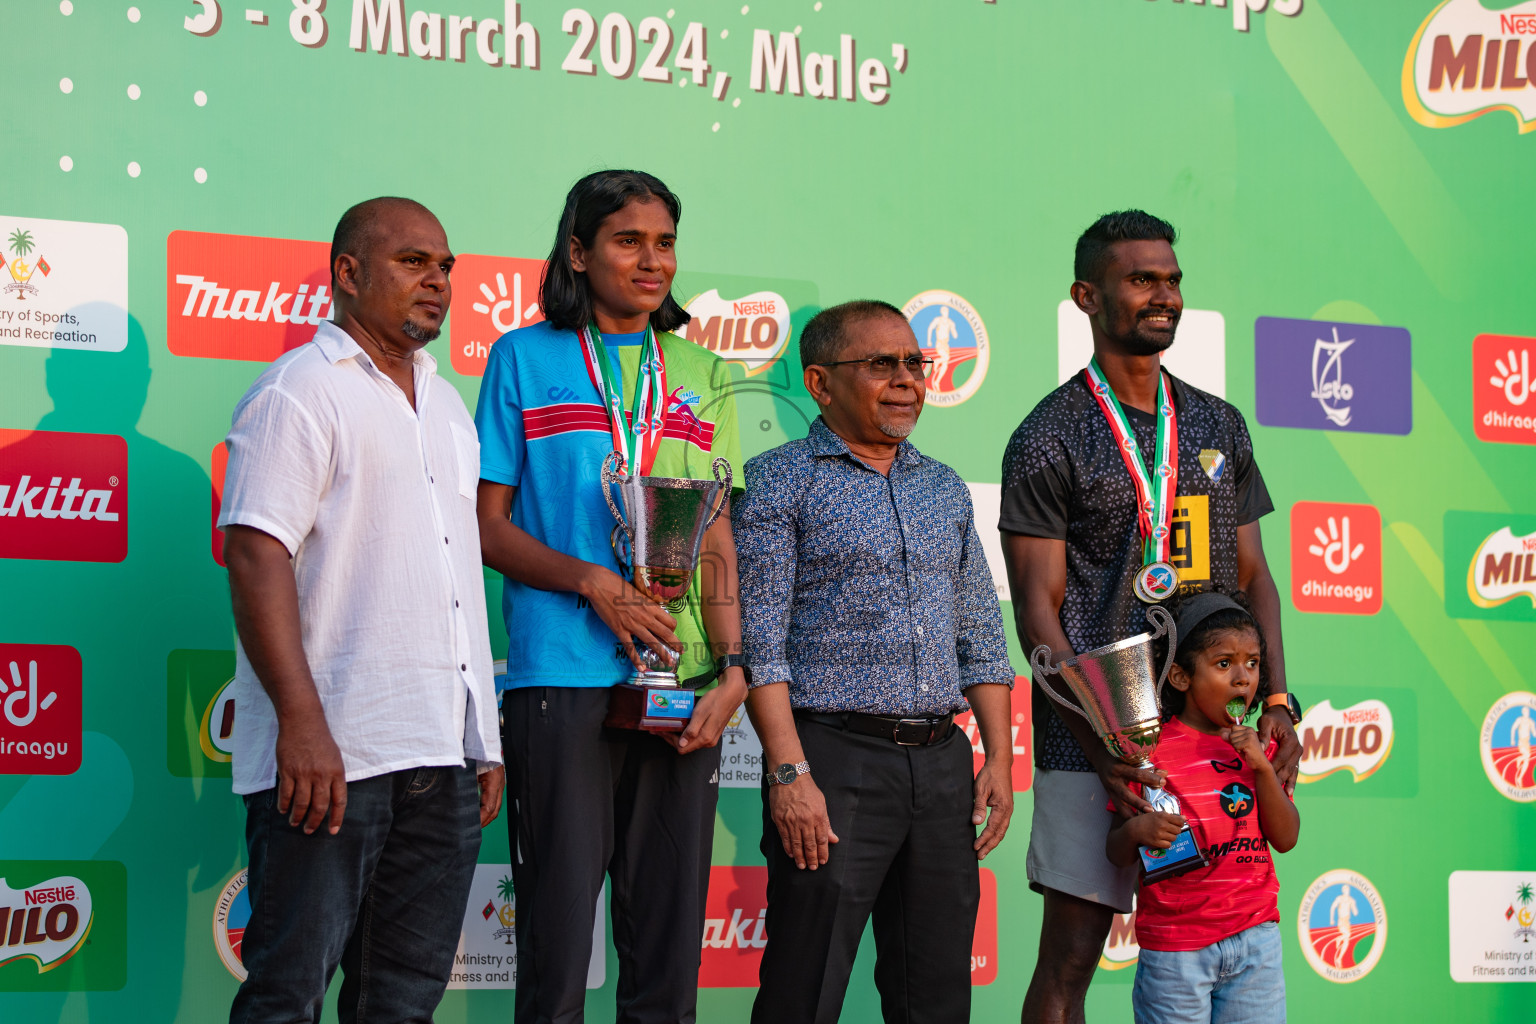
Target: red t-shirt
{"x": 1238, "y": 888}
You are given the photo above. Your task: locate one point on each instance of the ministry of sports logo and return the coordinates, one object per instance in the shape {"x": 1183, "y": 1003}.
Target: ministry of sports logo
{"x": 952, "y": 334}
{"x": 1342, "y": 926}
{"x": 231, "y": 914}
{"x": 1508, "y": 745}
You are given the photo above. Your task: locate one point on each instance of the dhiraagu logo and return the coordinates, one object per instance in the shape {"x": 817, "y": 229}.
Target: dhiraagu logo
{"x": 200, "y": 713}
{"x": 1490, "y": 566}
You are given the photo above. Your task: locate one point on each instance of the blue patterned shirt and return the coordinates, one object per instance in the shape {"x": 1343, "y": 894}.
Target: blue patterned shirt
{"x": 864, "y": 592}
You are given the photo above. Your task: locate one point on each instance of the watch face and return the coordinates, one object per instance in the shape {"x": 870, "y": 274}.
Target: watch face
{"x": 785, "y": 773}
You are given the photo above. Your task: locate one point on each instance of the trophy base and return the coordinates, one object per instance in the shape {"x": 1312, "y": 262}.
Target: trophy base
{"x": 649, "y": 702}
{"x": 1184, "y": 855}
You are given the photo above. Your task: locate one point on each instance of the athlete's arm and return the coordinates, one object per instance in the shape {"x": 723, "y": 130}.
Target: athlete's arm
{"x": 1253, "y": 576}
{"x": 1157, "y": 830}
{"x": 1037, "y": 576}
{"x": 517, "y": 555}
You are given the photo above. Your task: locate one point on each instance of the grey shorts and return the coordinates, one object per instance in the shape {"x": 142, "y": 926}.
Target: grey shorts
{"x": 1066, "y": 841}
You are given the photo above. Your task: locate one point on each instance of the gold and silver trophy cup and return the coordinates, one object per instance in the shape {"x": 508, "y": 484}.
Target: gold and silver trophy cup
{"x": 659, "y": 533}
{"x": 1117, "y": 692}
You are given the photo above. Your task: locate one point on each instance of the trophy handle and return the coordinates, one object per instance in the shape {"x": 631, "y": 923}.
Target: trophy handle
{"x": 1162, "y": 623}
{"x": 1040, "y": 663}
{"x": 718, "y": 466}
{"x": 612, "y": 475}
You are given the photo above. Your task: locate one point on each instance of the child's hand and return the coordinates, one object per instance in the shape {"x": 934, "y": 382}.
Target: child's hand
{"x": 1155, "y": 829}
{"x": 1246, "y": 742}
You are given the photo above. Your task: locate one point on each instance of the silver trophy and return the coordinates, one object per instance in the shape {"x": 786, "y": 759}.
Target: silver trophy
{"x": 1118, "y": 693}
{"x": 659, "y": 533}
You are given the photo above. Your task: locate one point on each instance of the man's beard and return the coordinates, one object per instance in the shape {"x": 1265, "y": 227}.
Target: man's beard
{"x": 1135, "y": 343}
{"x": 418, "y": 333}
{"x": 900, "y": 431}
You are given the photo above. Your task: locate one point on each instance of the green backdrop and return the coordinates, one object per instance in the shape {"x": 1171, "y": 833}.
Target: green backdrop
{"x": 1308, "y": 174}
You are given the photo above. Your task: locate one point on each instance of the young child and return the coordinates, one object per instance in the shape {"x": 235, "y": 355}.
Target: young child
{"x": 1210, "y": 938}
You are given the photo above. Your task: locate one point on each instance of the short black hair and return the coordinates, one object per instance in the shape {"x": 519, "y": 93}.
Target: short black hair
{"x": 355, "y": 231}
{"x": 565, "y": 294}
{"x": 823, "y": 337}
{"x": 1092, "y": 257}
{"x": 1201, "y": 638}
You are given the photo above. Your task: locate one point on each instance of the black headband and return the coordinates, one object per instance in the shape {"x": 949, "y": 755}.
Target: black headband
{"x": 1195, "y": 610}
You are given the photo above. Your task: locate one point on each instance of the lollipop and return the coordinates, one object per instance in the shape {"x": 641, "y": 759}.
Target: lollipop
{"x": 1236, "y": 708}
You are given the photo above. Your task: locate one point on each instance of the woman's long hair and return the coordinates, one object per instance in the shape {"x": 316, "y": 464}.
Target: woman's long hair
{"x": 565, "y": 294}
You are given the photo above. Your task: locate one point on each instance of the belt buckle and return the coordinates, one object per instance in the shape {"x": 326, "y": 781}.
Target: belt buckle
{"x": 920, "y": 723}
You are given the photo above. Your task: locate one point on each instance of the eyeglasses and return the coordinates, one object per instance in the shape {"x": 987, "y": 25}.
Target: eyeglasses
{"x": 884, "y": 367}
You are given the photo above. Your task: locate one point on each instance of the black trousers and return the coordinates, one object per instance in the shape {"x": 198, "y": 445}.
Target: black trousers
{"x": 903, "y": 819}
{"x": 583, "y": 801}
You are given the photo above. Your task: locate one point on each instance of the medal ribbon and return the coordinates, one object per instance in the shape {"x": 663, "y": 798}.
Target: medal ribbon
{"x": 637, "y": 438}
{"x": 1154, "y": 493}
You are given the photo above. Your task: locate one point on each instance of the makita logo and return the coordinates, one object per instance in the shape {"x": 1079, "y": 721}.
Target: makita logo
{"x": 208, "y": 299}
{"x": 63, "y": 496}
{"x": 240, "y": 297}
{"x": 740, "y": 932}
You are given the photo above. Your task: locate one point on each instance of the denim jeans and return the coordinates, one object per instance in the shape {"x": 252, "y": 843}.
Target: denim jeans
{"x": 383, "y": 898}
{"x": 1238, "y": 980}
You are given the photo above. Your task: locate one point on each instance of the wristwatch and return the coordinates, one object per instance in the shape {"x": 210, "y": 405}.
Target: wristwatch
{"x": 1285, "y": 700}
{"x": 726, "y": 661}
{"x": 786, "y": 773}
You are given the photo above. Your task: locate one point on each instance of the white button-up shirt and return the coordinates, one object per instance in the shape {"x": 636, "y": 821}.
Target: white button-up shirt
{"x": 375, "y": 501}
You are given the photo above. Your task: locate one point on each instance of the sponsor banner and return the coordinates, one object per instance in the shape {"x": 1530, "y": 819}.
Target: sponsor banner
{"x": 1508, "y": 745}
{"x": 65, "y": 284}
{"x": 231, "y": 913}
{"x": 952, "y": 334}
{"x": 243, "y": 297}
{"x": 741, "y": 753}
{"x": 200, "y": 713}
{"x": 63, "y": 496}
{"x": 1503, "y": 388}
{"x": 1121, "y": 950}
{"x": 1198, "y": 356}
{"x": 63, "y": 926}
{"x": 1356, "y": 739}
{"x": 1320, "y": 375}
{"x": 491, "y": 296}
{"x": 218, "y": 465}
{"x": 986, "y": 506}
{"x": 1020, "y": 711}
{"x": 1490, "y": 565}
{"x": 736, "y": 930}
{"x": 1335, "y": 558}
{"x": 1493, "y": 920}
{"x": 487, "y": 953}
{"x": 753, "y": 322}
{"x": 1466, "y": 61}
{"x": 1342, "y": 926}
{"x": 40, "y": 709}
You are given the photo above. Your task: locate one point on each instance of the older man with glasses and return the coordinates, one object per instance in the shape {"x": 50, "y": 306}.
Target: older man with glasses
{"x": 869, "y": 619}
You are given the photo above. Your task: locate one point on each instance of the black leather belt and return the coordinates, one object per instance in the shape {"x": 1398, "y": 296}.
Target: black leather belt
{"x": 904, "y": 732}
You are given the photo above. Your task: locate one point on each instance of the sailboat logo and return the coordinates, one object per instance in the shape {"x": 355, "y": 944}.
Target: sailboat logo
{"x": 1328, "y": 385}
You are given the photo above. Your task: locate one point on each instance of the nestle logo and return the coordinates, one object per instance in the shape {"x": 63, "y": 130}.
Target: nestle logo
{"x": 1320, "y": 375}
{"x": 1517, "y": 24}
{"x": 63, "y": 496}
{"x": 52, "y": 894}
{"x": 241, "y": 297}
{"x": 754, "y": 308}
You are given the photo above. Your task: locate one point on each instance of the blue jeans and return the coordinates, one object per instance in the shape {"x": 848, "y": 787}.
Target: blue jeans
{"x": 1238, "y": 980}
{"x": 383, "y": 899}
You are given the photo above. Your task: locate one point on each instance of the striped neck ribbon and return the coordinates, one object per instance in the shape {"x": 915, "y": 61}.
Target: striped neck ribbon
{"x": 1155, "y": 490}
{"x": 636, "y": 437}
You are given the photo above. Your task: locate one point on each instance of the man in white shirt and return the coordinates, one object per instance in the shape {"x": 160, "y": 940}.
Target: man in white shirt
{"x": 366, "y": 742}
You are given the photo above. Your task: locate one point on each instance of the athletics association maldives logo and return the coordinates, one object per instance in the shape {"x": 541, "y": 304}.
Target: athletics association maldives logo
{"x": 1466, "y": 61}
{"x": 1321, "y": 375}
{"x": 753, "y": 330}
{"x": 1356, "y": 739}
{"x": 231, "y": 914}
{"x": 491, "y": 296}
{"x": 952, "y": 334}
{"x": 1503, "y": 389}
{"x": 1335, "y": 558}
{"x": 244, "y": 297}
{"x": 63, "y": 496}
{"x": 1508, "y": 745}
{"x": 1342, "y": 926}
{"x": 40, "y": 709}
